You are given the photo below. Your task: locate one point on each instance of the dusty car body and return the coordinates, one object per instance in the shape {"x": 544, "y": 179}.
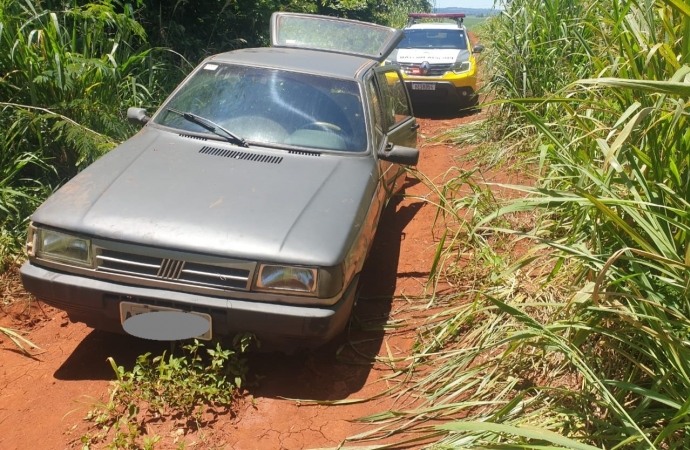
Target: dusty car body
{"x": 250, "y": 199}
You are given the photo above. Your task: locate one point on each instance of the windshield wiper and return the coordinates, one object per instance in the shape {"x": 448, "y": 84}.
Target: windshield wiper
{"x": 211, "y": 126}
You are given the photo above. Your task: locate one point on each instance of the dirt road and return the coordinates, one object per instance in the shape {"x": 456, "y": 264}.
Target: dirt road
{"x": 44, "y": 399}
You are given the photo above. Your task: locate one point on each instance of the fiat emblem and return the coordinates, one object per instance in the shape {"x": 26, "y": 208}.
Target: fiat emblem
{"x": 424, "y": 68}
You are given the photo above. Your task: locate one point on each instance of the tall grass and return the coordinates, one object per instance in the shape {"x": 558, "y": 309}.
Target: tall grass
{"x": 615, "y": 174}
{"x": 397, "y": 11}
{"x": 68, "y": 77}
{"x": 585, "y": 333}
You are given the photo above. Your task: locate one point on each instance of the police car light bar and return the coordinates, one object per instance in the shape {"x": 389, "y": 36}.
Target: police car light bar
{"x": 414, "y": 17}
{"x": 436, "y": 16}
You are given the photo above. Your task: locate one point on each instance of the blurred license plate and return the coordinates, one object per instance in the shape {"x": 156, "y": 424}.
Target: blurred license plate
{"x": 423, "y": 87}
{"x": 128, "y": 310}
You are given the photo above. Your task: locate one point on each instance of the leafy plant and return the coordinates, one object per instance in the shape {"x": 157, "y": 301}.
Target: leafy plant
{"x": 68, "y": 76}
{"x": 182, "y": 385}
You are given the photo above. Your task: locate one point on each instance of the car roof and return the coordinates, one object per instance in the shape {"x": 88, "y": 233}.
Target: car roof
{"x": 436, "y": 26}
{"x": 315, "y": 62}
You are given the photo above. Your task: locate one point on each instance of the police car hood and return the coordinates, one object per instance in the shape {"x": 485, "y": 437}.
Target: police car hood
{"x": 430, "y": 55}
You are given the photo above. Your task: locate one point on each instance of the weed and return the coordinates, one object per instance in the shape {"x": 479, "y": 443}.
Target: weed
{"x": 184, "y": 387}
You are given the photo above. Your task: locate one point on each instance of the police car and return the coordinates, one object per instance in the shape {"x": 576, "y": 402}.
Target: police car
{"x": 437, "y": 61}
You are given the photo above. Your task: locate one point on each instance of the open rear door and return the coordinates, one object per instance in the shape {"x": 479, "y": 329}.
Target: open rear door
{"x": 332, "y": 34}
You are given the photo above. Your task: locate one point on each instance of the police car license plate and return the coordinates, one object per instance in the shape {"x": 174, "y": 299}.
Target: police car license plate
{"x": 423, "y": 87}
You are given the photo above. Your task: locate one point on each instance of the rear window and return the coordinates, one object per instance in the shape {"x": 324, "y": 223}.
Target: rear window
{"x": 333, "y": 34}
{"x": 272, "y": 107}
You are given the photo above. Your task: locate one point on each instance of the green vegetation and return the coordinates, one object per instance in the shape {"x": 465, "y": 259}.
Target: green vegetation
{"x": 573, "y": 329}
{"x": 473, "y": 22}
{"x": 67, "y": 79}
{"x": 185, "y": 386}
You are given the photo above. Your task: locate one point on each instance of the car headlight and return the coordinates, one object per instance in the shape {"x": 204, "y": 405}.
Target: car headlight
{"x": 62, "y": 247}
{"x": 286, "y": 278}
{"x": 463, "y": 66}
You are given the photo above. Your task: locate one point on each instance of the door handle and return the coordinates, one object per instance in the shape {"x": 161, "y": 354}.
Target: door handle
{"x": 414, "y": 127}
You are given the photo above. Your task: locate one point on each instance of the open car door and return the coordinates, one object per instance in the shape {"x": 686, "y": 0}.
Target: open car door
{"x": 333, "y": 34}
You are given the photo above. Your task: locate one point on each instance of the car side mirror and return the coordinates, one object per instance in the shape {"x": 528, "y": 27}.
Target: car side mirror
{"x": 478, "y": 48}
{"x": 137, "y": 116}
{"x": 401, "y": 155}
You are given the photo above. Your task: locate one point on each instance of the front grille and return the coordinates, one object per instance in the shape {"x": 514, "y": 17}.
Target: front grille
{"x": 435, "y": 70}
{"x": 226, "y": 276}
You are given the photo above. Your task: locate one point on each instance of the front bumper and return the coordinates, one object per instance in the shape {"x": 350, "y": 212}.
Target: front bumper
{"x": 461, "y": 80}
{"x": 450, "y": 89}
{"x": 444, "y": 93}
{"x": 97, "y": 303}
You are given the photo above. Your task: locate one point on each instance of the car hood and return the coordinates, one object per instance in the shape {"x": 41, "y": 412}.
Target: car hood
{"x": 160, "y": 189}
{"x": 430, "y": 55}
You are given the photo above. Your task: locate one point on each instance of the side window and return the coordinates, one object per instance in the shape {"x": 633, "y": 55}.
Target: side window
{"x": 394, "y": 98}
{"x": 377, "y": 119}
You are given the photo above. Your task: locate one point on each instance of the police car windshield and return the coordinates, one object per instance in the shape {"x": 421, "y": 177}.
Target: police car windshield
{"x": 450, "y": 39}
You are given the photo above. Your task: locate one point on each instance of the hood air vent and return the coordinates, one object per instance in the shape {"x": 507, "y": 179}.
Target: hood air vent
{"x": 241, "y": 155}
{"x": 194, "y": 137}
{"x": 304, "y": 153}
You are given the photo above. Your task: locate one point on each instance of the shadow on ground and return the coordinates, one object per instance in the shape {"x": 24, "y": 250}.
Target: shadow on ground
{"x": 329, "y": 373}
{"x": 89, "y": 360}
{"x": 342, "y": 367}
{"x": 435, "y": 112}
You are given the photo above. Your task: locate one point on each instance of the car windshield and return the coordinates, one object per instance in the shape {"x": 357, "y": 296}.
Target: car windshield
{"x": 272, "y": 107}
{"x": 453, "y": 39}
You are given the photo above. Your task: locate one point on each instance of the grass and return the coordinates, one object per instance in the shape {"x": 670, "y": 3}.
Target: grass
{"x": 68, "y": 77}
{"x": 472, "y": 22}
{"x": 18, "y": 340}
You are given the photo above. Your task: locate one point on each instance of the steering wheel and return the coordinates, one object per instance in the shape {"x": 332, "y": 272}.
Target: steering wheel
{"x": 325, "y": 126}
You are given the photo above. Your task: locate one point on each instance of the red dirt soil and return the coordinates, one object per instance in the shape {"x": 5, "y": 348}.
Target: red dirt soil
{"x": 44, "y": 398}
